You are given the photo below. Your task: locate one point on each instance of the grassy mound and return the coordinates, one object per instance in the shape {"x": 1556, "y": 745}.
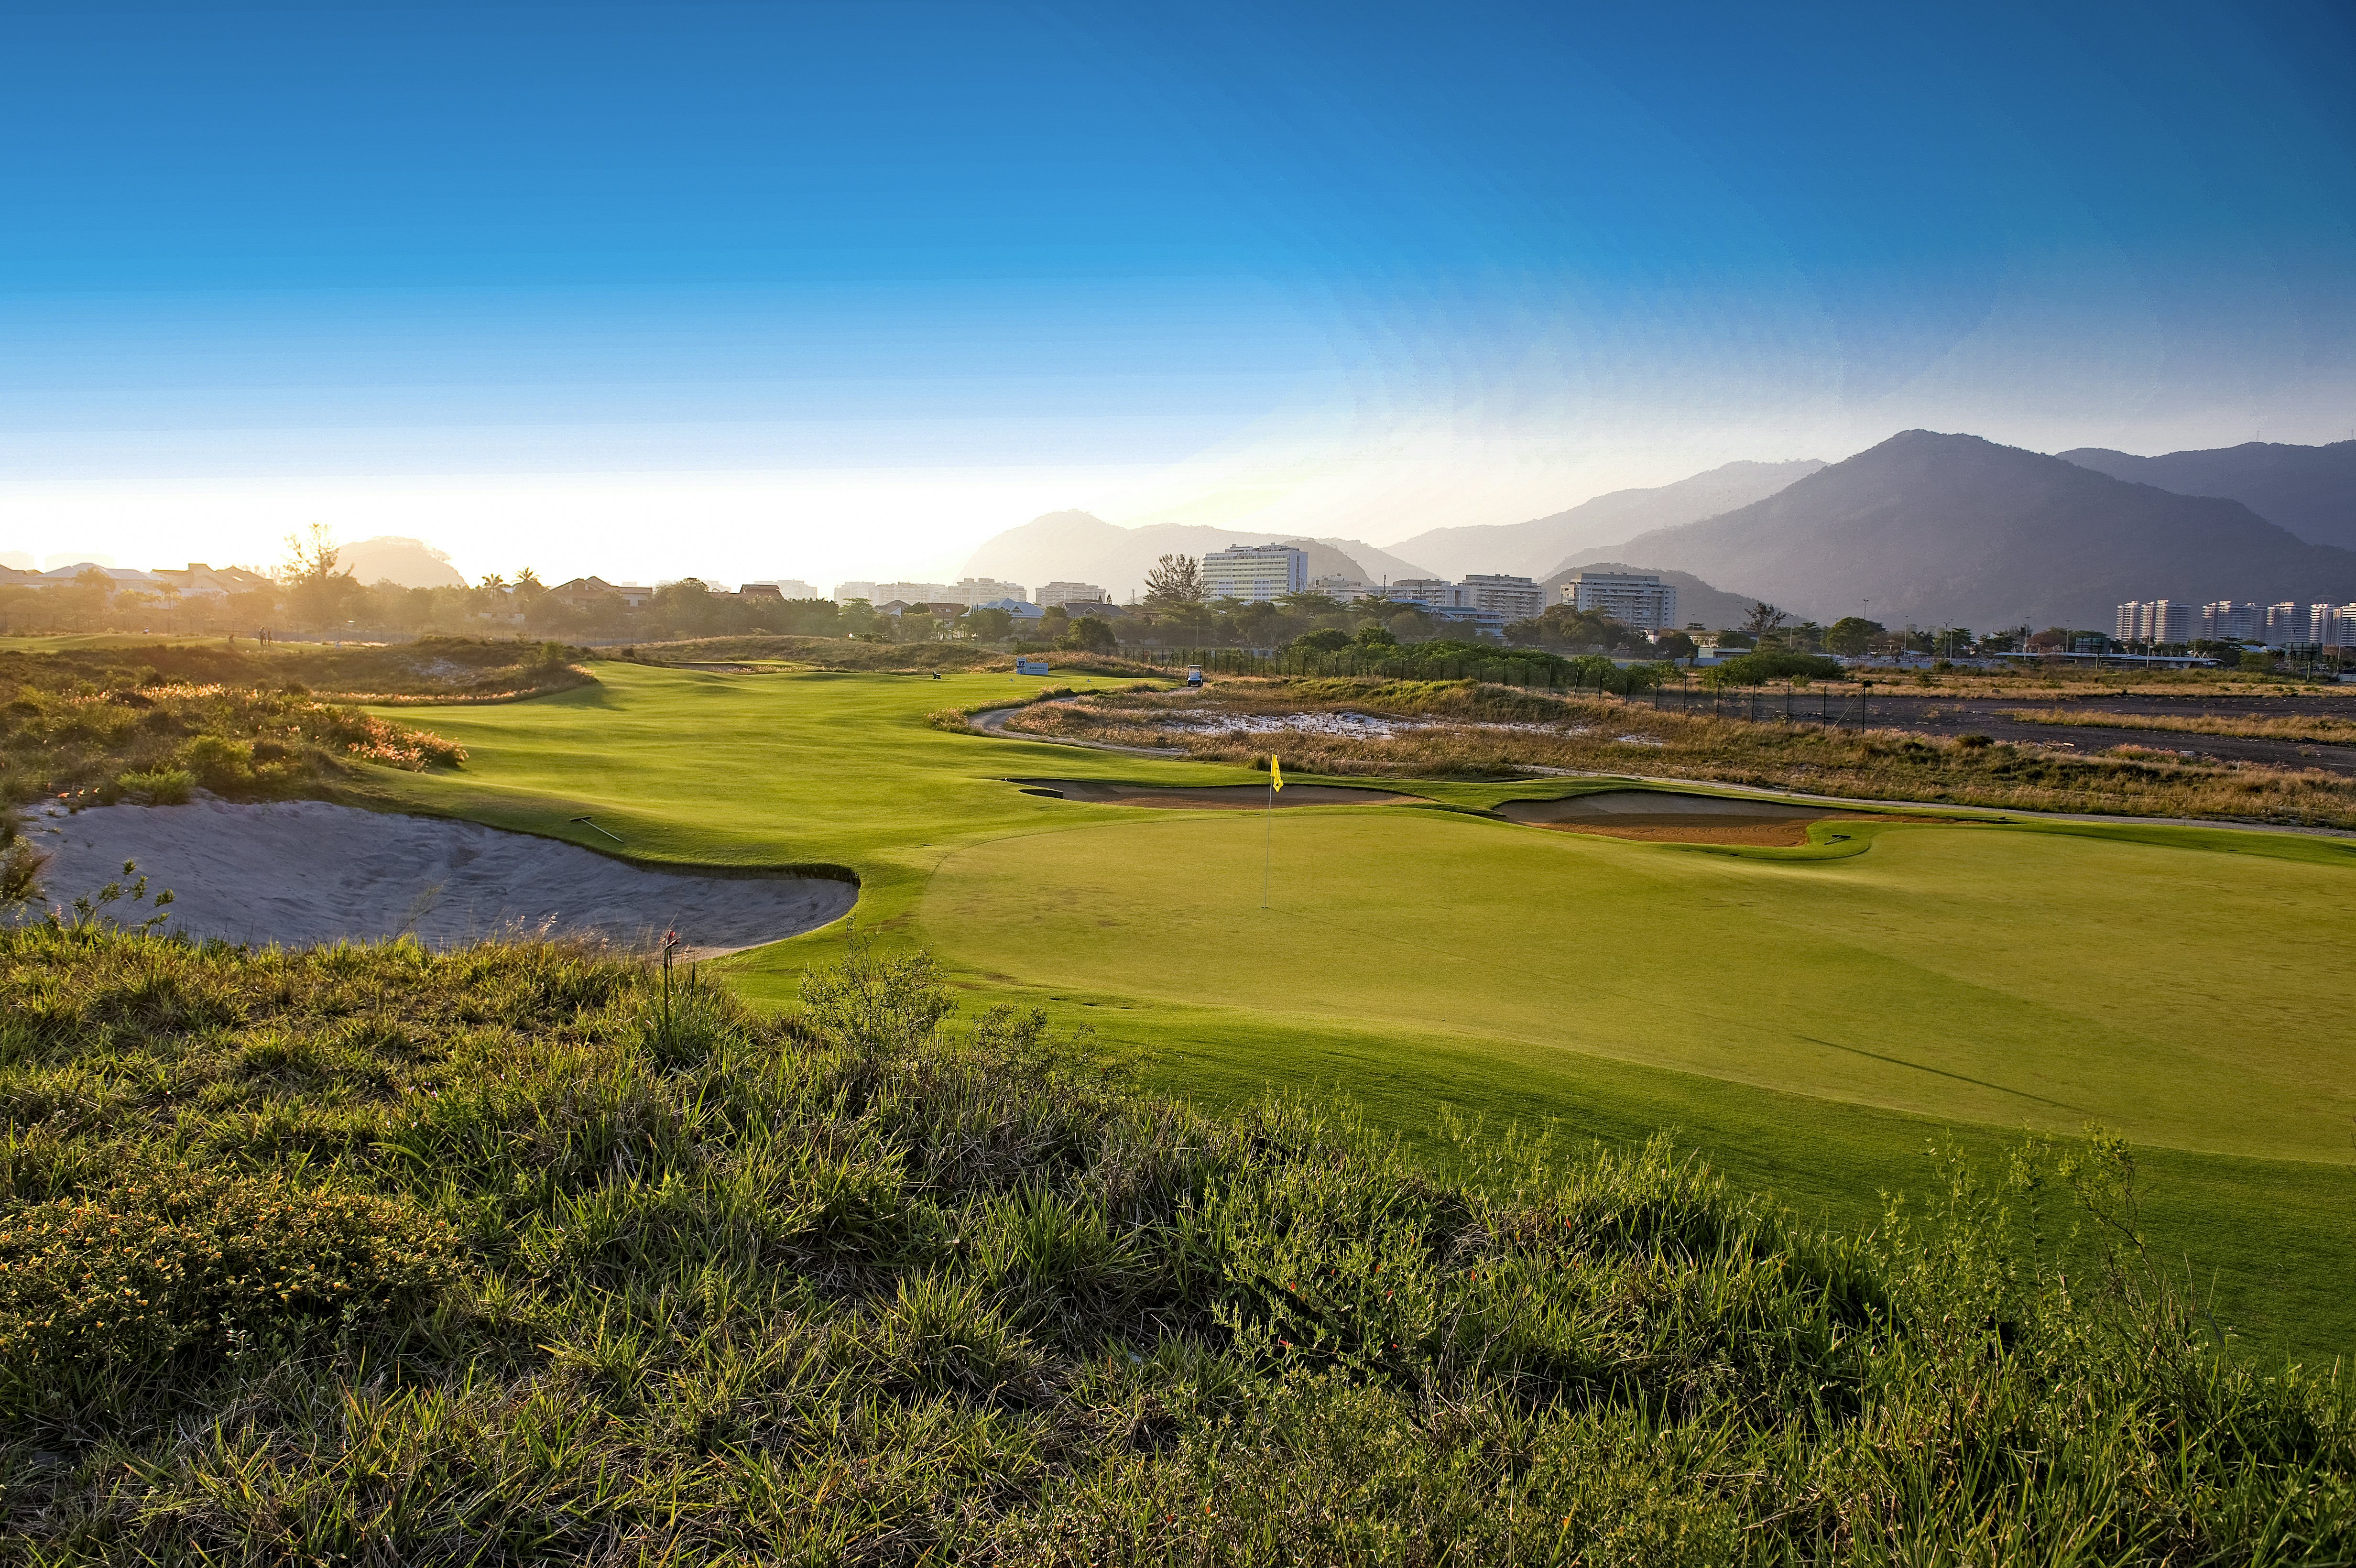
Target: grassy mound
{"x": 382, "y": 1255}
{"x": 884, "y": 659}
{"x": 155, "y": 723}
{"x": 1466, "y": 729}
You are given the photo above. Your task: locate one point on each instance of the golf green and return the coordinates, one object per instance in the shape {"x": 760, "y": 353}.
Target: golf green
{"x": 1808, "y": 1017}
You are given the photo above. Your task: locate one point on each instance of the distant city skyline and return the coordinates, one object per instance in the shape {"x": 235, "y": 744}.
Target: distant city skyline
{"x": 779, "y": 290}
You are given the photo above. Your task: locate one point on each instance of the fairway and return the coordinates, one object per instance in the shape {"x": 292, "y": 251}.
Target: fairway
{"x": 1808, "y": 1016}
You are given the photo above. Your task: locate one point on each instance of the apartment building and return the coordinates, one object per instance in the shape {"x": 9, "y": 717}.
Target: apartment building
{"x": 2156, "y": 621}
{"x": 1639, "y": 600}
{"x": 2232, "y": 621}
{"x": 1514, "y": 598}
{"x": 1071, "y": 595}
{"x": 1431, "y": 592}
{"x": 973, "y": 591}
{"x": 2332, "y": 625}
{"x": 1348, "y": 589}
{"x": 1255, "y": 573}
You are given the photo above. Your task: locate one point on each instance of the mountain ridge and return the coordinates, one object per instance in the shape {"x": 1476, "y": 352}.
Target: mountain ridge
{"x": 1550, "y": 544}
{"x": 1931, "y": 527}
{"x": 2310, "y": 490}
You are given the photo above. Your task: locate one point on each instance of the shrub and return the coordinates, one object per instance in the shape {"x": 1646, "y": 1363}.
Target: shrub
{"x": 219, "y": 762}
{"x": 158, "y": 786}
{"x": 179, "y": 1261}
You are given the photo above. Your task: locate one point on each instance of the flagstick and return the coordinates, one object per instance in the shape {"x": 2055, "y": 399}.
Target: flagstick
{"x": 1268, "y": 860}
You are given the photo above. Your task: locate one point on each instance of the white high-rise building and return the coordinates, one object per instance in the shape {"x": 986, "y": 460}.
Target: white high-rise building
{"x": 1255, "y": 573}
{"x": 2170, "y": 620}
{"x": 1072, "y": 594}
{"x": 1637, "y": 600}
{"x": 2332, "y": 625}
{"x": 1514, "y": 598}
{"x": 2286, "y": 625}
{"x": 2232, "y": 621}
{"x": 2157, "y": 621}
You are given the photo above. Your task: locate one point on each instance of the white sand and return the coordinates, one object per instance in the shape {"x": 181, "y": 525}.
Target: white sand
{"x": 305, "y": 871}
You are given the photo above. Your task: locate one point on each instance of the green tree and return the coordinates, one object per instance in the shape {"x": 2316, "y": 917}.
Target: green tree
{"x": 686, "y": 607}
{"x": 1851, "y": 635}
{"x": 1090, "y": 635}
{"x": 989, "y": 624}
{"x": 1763, "y": 619}
{"x": 318, "y": 594}
{"x": 1174, "y": 580}
{"x": 1332, "y": 639}
{"x": 1375, "y": 634}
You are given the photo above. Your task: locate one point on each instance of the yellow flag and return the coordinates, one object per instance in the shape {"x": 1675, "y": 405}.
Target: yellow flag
{"x": 1275, "y": 773}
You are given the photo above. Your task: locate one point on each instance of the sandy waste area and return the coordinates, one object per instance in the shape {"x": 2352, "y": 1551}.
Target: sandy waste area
{"x": 302, "y": 872}
{"x": 1359, "y": 726}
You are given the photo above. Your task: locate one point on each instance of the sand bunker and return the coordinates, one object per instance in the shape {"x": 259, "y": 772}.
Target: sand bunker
{"x": 303, "y": 872}
{"x": 1666, "y": 816}
{"x": 1230, "y": 797}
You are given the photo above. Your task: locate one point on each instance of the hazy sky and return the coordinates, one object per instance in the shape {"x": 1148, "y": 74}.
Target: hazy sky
{"x": 813, "y": 291}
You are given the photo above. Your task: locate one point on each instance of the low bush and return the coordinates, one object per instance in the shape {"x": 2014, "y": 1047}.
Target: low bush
{"x": 158, "y": 786}
{"x": 93, "y": 733}
{"x": 388, "y": 1255}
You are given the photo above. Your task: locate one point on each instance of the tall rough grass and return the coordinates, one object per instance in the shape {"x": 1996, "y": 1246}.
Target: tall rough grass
{"x": 381, "y": 1256}
{"x": 2321, "y": 727}
{"x": 1462, "y": 729}
{"x": 93, "y": 727}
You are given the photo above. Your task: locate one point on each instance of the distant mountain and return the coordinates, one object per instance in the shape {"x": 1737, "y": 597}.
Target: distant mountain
{"x": 2310, "y": 490}
{"x": 1934, "y": 529}
{"x": 1078, "y": 546}
{"x": 412, "y": 564}
{"x": 1697, "y": 600}
{"x": 1547, "y": 544}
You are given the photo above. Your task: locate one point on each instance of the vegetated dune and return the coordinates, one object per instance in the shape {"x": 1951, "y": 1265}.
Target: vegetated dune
{"x": 882, "y": 658}
{"x": 505, "y": 1255}
{"x": 303, "y": 872}
{"x": 1465, "y": 729}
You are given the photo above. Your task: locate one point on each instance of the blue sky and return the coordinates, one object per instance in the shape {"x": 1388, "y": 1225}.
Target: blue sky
{"x": 824, "y": 290}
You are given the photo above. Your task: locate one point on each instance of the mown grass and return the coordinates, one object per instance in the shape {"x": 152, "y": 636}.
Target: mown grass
{"x": 470, "y": 1257}
{"x": 1475, "y": 730}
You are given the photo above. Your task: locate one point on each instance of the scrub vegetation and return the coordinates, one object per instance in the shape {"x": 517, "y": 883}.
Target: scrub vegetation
{"x": 876, "y": 658}
{"x": 1464, "y": 728}
{"x": 2324, "y": 729}
{"x": 378, "y": 1256}
{"x": 93, "y": 725}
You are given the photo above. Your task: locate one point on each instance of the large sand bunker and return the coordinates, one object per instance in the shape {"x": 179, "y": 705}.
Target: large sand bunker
{"x": 1666, "y": 814}
{"x": 303, "y": 872}
{"x": 1230, "y": 797}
